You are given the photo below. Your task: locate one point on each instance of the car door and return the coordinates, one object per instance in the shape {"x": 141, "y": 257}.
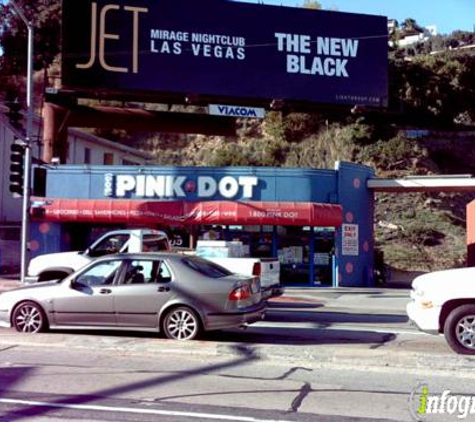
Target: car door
{"x": 144, "y": 287}
{"x": 88, "y": 299}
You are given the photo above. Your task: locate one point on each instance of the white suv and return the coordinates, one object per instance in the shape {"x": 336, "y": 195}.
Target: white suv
{"x": 444, "y": 302}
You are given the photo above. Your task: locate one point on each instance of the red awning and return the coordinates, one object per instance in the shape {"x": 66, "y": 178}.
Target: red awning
{"x": 181, "y": 212}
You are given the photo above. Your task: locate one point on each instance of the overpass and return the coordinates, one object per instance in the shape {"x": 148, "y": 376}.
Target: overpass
{"x": 439, "y": 183}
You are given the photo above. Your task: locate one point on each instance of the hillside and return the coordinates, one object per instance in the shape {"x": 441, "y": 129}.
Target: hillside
{"x": 415, "y": 231}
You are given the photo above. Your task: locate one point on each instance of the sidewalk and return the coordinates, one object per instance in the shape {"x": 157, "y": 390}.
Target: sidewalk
{"x": 356, "y": 298}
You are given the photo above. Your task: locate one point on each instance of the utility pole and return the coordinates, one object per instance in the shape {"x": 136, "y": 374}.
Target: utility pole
{"x": 25, "y": 219}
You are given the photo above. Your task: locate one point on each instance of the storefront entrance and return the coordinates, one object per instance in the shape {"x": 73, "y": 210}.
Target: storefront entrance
{"x": 306, "y": 254}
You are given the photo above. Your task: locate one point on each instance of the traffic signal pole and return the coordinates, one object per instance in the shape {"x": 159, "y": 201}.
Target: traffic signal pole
{"x": 25, "y": 218}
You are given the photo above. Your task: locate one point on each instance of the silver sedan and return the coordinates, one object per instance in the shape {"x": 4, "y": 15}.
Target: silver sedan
{"x": 174, "y": 294}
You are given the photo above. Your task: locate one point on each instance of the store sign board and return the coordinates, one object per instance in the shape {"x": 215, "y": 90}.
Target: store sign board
{"x": 350, "y": 240}
{"x": 221, "y": 49}
{"x": 236, "y": 111}
{"x": 169, "y": 187}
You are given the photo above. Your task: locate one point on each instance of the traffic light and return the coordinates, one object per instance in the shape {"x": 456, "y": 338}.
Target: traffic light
{"x": 17, "y": 157}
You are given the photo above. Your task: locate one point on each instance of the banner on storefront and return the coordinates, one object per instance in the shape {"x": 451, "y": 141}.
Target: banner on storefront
{"x": 186, "y": 213}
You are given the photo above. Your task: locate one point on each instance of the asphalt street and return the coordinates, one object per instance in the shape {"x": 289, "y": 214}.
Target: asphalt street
{"x": 119, "y": 384}
{"x": 321, "y": 354}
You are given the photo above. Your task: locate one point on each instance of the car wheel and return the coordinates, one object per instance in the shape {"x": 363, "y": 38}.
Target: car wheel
{"x": 459, "y": 329}
{"x": 28, "y": 317}
{"x": 181, "y": 323}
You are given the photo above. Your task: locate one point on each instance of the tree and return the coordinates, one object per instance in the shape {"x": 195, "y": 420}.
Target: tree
{"x": 411, "y": 27}
{"x": 45, "y": 16}
{"x": 433, "y": 89}
{"x": 312, "y": 4}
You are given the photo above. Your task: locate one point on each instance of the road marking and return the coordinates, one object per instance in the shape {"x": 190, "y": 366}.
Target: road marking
{"x": 137, "y": 410}
{"x": 339, "y": 327}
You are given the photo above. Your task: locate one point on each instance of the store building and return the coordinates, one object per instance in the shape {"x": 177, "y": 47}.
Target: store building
{"x": 318, "y": 222}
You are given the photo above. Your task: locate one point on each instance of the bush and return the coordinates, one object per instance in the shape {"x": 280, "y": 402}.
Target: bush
{"x": 336, "y": 143}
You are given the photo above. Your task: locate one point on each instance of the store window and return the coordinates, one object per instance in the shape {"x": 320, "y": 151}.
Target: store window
{"x": 305, "y": 255}
{"x": 294, "y": 254}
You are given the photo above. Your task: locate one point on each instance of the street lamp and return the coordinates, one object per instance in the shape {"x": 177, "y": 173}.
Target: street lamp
{"x": 29, "y": 123}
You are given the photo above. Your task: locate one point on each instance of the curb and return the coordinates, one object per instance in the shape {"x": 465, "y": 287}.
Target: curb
{"x": 340, "y": 357}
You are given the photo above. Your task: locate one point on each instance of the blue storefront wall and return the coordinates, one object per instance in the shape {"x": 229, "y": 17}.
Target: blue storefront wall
{"x": 355, "y": 238}
{"x": 346, "y": 185}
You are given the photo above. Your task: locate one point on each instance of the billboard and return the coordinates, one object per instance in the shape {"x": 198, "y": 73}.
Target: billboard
{"x": 225, "y": 49}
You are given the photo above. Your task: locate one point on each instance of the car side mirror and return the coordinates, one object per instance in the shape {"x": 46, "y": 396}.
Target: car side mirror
{"x": 93, "y": 253}
{"x": 73, "y": 284}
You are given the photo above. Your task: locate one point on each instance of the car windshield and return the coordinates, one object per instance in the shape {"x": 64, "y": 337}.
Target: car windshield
{"x": 205, "y": 267}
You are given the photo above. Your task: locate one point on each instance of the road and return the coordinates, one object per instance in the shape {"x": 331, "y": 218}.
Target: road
{"x": 98, "y": 385}
{"x": 301, "y": 364}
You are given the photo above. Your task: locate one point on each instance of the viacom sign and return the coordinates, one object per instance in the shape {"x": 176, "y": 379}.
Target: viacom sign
{"x": 149, "y": 186}
{"x": 236, "y": 111}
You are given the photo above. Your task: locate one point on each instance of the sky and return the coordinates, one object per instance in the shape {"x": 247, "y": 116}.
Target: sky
{"x": 447, "y": 15}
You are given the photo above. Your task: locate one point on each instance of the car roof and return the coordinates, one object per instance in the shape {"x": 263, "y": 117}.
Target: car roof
{"x": 143, "y": 255}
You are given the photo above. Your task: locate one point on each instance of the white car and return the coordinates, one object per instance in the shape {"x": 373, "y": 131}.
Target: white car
{"x": 444, "y": 302}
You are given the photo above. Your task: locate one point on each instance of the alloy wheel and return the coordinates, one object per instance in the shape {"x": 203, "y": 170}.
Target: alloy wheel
{"x": 465, "y": 331}
{"x": 28, "y": 318}
{"x": 181, "y": 324}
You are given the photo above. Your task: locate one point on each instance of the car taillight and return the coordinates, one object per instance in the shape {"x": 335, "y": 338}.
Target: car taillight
{"x": 241, "y": 293}
{"x": 256, "y": 269}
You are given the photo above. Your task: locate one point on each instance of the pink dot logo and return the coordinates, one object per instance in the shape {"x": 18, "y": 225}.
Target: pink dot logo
{"x": 356, "y": 183}
{"x": 366, "y": 246}
{"x": 349, "y": 268}
{"x": 190, "y": 186}
{"x": 349, "y": 217}
{"x": 34, "y": 245}
{"x": 44, "y": 228}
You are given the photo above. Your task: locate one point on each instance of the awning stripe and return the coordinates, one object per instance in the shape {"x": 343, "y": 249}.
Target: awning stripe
{"x": 182, "y": 212}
